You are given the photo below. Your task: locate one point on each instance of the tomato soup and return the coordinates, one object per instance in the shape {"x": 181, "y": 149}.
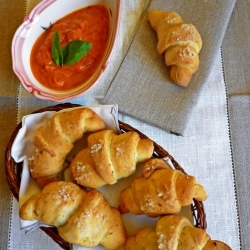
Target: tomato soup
{"x": 90, "y": 24}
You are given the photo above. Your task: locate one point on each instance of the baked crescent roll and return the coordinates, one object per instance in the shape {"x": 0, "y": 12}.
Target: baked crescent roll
{"x": 109, "y": 157}
{"x": 54, "y": 140}
{"x": 160, "y": 190}
{"x": 173, "y": 232}
{"x": 180, "y": 43}
{"x": 82, "y": 218}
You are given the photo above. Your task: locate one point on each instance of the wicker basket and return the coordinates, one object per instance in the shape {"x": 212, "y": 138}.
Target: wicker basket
{"x": 13, "y": 174}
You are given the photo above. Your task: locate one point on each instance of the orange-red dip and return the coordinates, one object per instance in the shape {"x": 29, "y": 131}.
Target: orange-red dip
{"x": 90, "y": 24}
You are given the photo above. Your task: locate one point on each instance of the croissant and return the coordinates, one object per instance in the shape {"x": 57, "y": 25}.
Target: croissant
{"x": 180, "y": 43}
{"x": 173, "y": 232}
{"x": 109, "y": 157}
{"x": 82, "y": 218}
{"x": 160, "y": 190}
{"x": 53, "y": 141}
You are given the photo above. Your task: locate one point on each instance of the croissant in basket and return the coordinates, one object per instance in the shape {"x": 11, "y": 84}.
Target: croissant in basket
{"x": 180, "y": 43}
{"x": 109, "y": 157}
{"x": 82, "y": 218}
{"x": 173, "y": 232}
{"x": 54, "y": 140}
{"x": 160, "y": 190}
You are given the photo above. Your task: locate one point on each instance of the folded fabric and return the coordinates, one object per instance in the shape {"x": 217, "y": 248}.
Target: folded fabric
{"x": 142, "y": 87}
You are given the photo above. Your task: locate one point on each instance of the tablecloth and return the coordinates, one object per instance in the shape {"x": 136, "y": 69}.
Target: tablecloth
{"x": 213, "y": 149}
{"x": 144, "y": 78}
{"x": 236, "y": 62}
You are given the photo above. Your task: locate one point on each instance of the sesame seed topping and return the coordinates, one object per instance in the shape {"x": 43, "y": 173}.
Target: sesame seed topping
{"x": 119, "y": 151}
{"x": 63, "y": 193}
{"x": 160, "y": 195}
{"x": 88, "y": 213}
{"x": 80, "y": 167}
{"x": 31, "y": 158}
{"x": 161, "y": 241}
{"x": 161, "y": 246}
{"x": 86, "y": 177}
{"x": 95, "y": 148}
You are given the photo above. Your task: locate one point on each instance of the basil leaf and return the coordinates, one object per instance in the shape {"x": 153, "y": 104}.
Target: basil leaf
{"x": 56, "y": 50}
{"x": 74, "y": 51}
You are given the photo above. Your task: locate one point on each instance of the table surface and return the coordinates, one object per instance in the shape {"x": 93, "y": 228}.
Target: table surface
{"x": 215, "y": 149}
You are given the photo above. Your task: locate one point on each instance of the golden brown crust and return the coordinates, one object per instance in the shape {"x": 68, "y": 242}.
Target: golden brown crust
{"x": 100, "y": 150}
{"x": 161, "y": 20}
{"x": 111, "y": 156}
{"x": 55, "y": 139}
{"x": 146, "y": 238}
{"x": 129, "y": 203}
{"x": 82, "y": 218}
{"x": 160, "y": 190}
{"x": 180, "y": 43}
{"x": 169, "y": 229}
{"x": 173, "y": 232}
{"x": 90, "y": 224}
{"x": 83, "y": 172}
{"x": 116, "y": 231}
{"x": 54, "y": 204}
{"x": 216, "y": 245}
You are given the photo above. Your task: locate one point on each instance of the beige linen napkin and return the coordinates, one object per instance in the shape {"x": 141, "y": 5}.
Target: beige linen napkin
{"x": 142, "y": 87}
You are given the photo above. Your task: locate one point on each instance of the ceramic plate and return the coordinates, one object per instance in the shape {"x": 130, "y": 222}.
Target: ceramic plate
{"x": 45, "y": 13}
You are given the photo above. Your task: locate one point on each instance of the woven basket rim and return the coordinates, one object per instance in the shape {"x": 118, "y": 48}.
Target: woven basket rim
{"x": 13, "y": 172}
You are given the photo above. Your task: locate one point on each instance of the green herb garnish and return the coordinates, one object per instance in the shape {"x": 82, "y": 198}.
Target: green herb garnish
{"x": 71, "y": 53}
{"x": 56, "y": 51}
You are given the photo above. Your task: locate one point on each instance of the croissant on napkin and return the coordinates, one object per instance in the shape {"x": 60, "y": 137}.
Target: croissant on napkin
{"x": 109, "y": 157}
{"x": 82, "y": 218}
{"x": 173, "y": 232}
{"x": 160, "y": 190}
{"x": 54, "y": 140}
{"x": 180, "y": 43}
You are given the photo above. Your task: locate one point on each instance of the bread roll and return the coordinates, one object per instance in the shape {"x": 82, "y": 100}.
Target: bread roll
{"x": 160, "y": 190}
{"x": 179, "y": 42}
{"x": 54, "y": 140}
{"x": 109, "y": 157}
{"x": 82, "y": 218}
{"x": 173, "y": 232}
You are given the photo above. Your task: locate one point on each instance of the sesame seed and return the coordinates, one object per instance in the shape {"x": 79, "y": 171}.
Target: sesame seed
{"x": 31, "y": 158}
{"x": 88, "y": 213}
{"x": 80, "y": 167}
{"x": 160, "y": 195}
{"x": 119, "y": 151}
{"x": 161, "y": 246}
{"x": 63, "y": 193}
{"x": 95, "y": 148}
